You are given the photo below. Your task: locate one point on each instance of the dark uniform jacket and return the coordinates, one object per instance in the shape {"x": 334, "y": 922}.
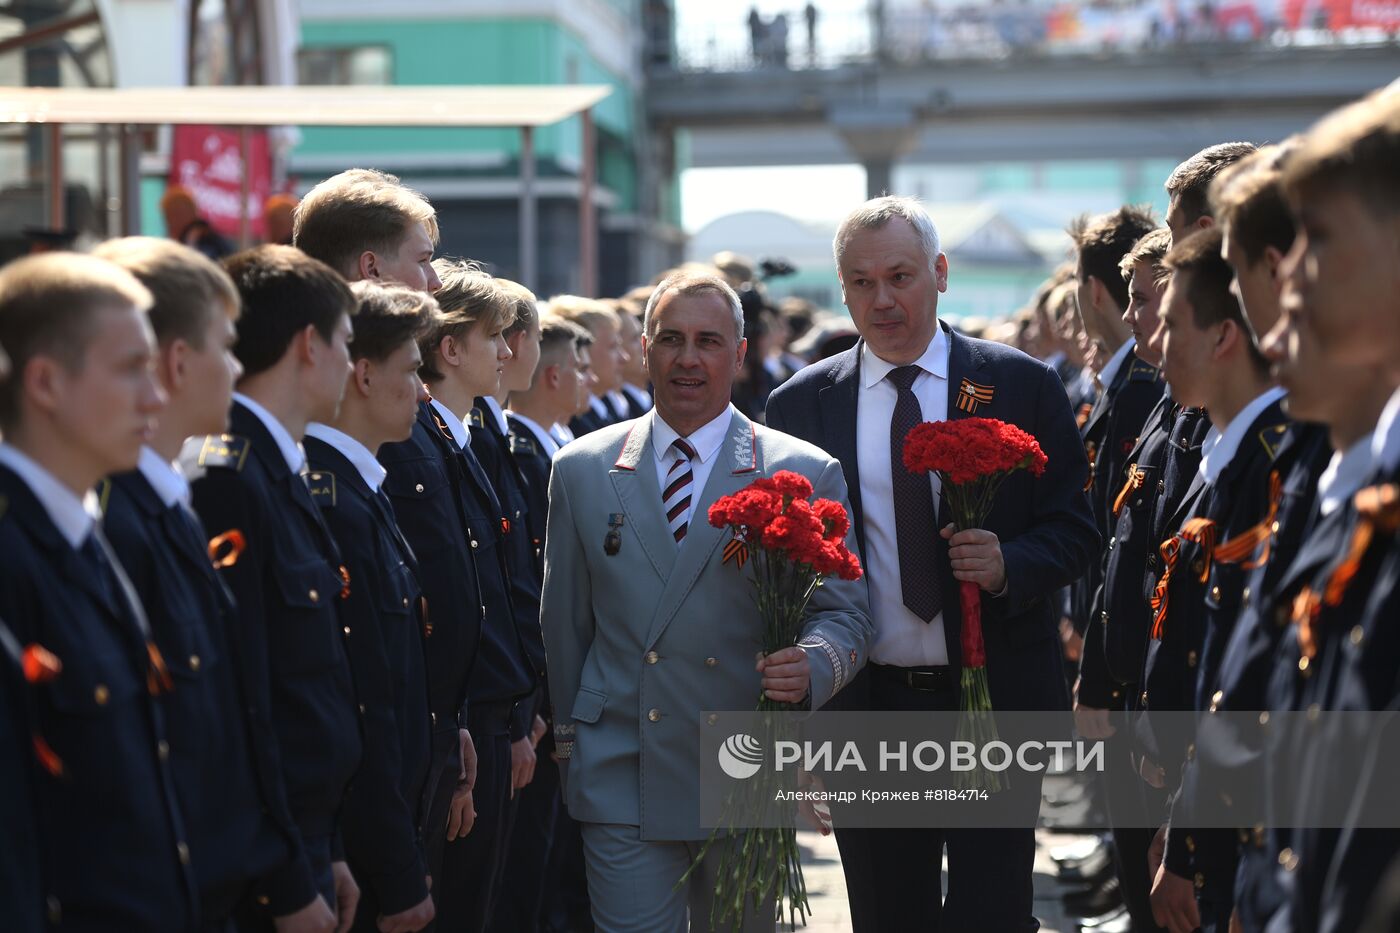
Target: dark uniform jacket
{"x": 286, "y": 577}
{"x": 534, "y": 464}
{"x": 1202, "y": 600}
{"x": 1109, "y": 434}
{"x": 236, "y": 813}
{"x": 387, "y": 802}
{"x": 21, "y": 890}
{"x": 111, "y": 853}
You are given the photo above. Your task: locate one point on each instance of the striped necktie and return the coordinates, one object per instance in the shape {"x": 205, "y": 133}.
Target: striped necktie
{"x": 676, "y": 497}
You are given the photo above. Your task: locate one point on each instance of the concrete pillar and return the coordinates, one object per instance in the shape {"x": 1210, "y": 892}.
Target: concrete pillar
{"x": 878, "y": 136}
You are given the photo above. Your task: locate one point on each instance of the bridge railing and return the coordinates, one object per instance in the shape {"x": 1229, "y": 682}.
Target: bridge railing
{"x": 809, "y": 37}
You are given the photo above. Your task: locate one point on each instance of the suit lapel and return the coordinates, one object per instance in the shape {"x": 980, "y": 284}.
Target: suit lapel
{"x": 837, "y": 404}
{"x": 634, "y": 480}
{"x": 736, "y": 465}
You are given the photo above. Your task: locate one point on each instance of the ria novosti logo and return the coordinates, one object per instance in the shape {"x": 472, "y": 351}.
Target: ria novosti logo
{"x": 740, "y": 756}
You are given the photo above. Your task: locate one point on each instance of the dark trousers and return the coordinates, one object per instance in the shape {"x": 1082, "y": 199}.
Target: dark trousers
{"x": 894, "y": 876}
{"x": 566, "y": 907}
{"x": 471, "y": 865}
{"x": 1128, "y": 803}
{"x": 527, "y": 858}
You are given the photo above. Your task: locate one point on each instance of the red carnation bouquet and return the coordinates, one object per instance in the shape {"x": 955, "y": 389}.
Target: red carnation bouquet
{"x": 794, "y": 544}
{"x": 973, "y": 457}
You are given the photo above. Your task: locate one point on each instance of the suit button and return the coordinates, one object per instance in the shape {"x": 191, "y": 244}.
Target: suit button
{"x": 362, "y": 709}
{"x": 1143, "y": 698}
{"x": 711, "y": 662}
{"x": 183, "y": 851}
{"x": 405, "y": 602}
{"x": 101, "y": 694}
{"x": 1190, "y": 844}
{"x": 474, "y": 544}
{"x": 1215, "y": 593}
{"x": 654, "y": 715}
{"x": 162, "y": 750}
{"x": 1117, "y": 694}
{"x": 711, "y": 719}
{"x": 432, "y": 717}
{"x": 346, "y": 630}
{"x": 1215, "y": 699}
{"x": 652, "y": 657}
{"x": 1161, "y": 486}
{"x": 1103, "y": 617}
{"x": 1274, "y": 527}
{"x": 1264, "y": 718}
{"x": 1112, "y": 542}
{"x": 1200, "y": 881}
{"x": 418, "y": 488}
{"x": 1244, "y": 597}
{"x": 1190, "y": 659}
{"x": 194, "y": 662}
{"x": 314, "y": 596}
{"x": 1357, "y": 636}
{"x": 1303, "y": 663}
{"x": 1288, "y": 859}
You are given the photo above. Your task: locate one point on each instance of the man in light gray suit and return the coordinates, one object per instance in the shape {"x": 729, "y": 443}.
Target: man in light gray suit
{"x": 644, "y": 624}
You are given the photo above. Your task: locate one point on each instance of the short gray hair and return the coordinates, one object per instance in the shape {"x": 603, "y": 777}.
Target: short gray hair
{"x": 875, "y": 213}
{"x": 694, "y": 283}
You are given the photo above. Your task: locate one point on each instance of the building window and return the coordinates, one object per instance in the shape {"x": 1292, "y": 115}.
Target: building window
{"x": 362, "y": 64}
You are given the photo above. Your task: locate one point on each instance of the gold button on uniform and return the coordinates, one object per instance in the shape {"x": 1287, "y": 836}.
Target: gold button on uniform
{"x": 654, "y": 715}
{"x": 1303, "y": 664}
{"x": 1358, "y": 635}
{"x": 1244, "y": 597}
{"x": 1190, "y": 844}
{"x": 652, "y": 657}
{"x": 1215, "y": 699}
{"x": 1200, "y": 881}
{"x": 162, "y": 749}
{"x": 474, "y": 544}
{"x": 1264, "y": 718}
{"x": 1215, "y": 593}
{"x": 183, "y": 851}
{"x": 1191, "y": 659}
{"x": 101, "y": 694}
{"x": 347, "y": 630}
{"x": 362, "y": 709}
{"x": 711, "y": 662}
{"x": 1288, "y": 859}
{"x": 405, "y": 602}
{"x": 418, "y": 488}
{"x": 314, "y": 596}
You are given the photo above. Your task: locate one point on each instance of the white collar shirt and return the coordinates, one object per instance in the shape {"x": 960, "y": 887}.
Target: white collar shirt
{"x": 639, "y": 395}
{"x": 547, "y": 441}
{"x": 1385, "y": 442}
{"x": 706, "y": 440}
{"x": 561, "y": 433}
{"x": 1115, "y": 363}
{"x": 358, "y": 454}
{"x": 493, "y": 410}
{"x": 1345, "y": 474}
{"x": 291, "y": 449}
{"x": 901, "y": 638}
{"x": 73, "y": 516}
{"x": 460, "y": 432}
{"x": 601, "y": 410}
{"x": 1220, "y": 447}
{"x": 165, "y": 478}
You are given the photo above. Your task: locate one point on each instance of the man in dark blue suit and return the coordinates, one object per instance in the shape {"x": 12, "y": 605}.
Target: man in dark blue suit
{"x": 1039, "y": 537}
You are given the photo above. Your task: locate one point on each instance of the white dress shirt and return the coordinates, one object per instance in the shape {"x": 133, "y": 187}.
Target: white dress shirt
{"x": 1344, "y": 475}
{"x": 706, "y": 441}
{"x": 619, "y": 402}
{"x": 1385, "y": 442}
{"x": 561, "y": 433}
{"x": 1220, "y": 446}
{"x": 901, "y": 638}
{"x": 493, "y": 410}
{"x": 460, "y": 432}
{"x": 547, "y": 442}
{"x": 1115, "y": 363}
{"x": 165, "y": 478}
{"x": 290, "y": 447}
{"x": 360, "y": 457}
{"x": 74, "y": 517}
{"x": 599, "y": 409}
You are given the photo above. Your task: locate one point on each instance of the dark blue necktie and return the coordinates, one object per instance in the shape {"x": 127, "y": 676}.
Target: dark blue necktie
{"x": 915, "y": 520}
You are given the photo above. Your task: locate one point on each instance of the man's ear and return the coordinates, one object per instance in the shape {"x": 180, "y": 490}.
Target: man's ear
{"x": 1275, "y": 260}
{"x": 43, "y": 379}
{"x": 1231, "y": 337}
{"x": 743, "y": 350}
{"x": 449, "y": 350}
{"x": 361, "y": 376}
{"x": 368, "y": 266}
{"x": 551, "y": 376}
{"x": 171, "y": 364}
{"x": 306, "y": 346}
{"x": 940, "y": 272}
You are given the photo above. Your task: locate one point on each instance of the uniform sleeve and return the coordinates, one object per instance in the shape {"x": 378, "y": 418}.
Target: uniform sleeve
{"x": 838, "y": 631}
{"x": 566, "y": 613}
{"x": 226, "y": 505}
{"x": 377, "y": 823}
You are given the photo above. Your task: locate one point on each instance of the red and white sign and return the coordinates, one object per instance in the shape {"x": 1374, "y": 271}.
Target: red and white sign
{"x": 208, "y": 161}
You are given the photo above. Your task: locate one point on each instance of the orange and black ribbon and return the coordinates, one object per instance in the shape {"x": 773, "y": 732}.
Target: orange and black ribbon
{"x": 344, "y": 582}
{"x": 225, "y": 549}
{"x": 1199, "y": 531}
{"x": 1377, "y": 511}
{"x": 1247, "y": 543}
{"x": 738, "y": 551}
{"x": 1081, "y": 417}
{"x": 1307, "y": 606}
{"x": 1136, "y": 478}
{"x": 158, "y": 679}
{"x": 970, "y": 395}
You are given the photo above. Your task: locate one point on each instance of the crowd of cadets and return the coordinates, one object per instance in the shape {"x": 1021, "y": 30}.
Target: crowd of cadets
{"x": 271, "y": 541}
{"x": 1237, "y": 408}
{"x": 271, "y": 538}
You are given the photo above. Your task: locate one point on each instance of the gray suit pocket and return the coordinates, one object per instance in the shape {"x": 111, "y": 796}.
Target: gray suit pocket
{"x": 588, "y": 705}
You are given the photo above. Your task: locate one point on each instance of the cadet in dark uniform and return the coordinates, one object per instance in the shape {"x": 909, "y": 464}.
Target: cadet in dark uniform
{"x": 278, "y": 559}
{"x": 1210, "y": 359}
{"x": 607, "y": 359}
{"x": 239, "y": 824}
{"x": 461, "y": 362}
{"x": 388, "y": 800}
{"x": 106, "y": 838}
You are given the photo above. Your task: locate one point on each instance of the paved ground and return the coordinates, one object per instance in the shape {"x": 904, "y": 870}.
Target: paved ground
{"x": 826, "y": 885}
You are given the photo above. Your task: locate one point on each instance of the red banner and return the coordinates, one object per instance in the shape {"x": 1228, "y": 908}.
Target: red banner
{"x": 207, "y": 161}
